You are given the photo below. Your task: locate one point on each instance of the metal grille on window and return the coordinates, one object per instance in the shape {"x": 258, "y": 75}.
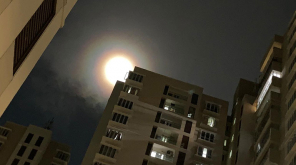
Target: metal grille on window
{"x": 62, "y": 155}
{"x": 30, "y": 34}
{"x": 212, "y": 107}
{"x": 107, "y": 151}
{"x": 4, "y": 132}
{"x": 119, "y": 118}
{"x": 125, "y": 103}
{"x": 135, "y": 77}
{"x": 113, "y": 134}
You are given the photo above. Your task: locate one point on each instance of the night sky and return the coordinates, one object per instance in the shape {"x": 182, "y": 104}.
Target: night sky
{"x": 208, "y": 43}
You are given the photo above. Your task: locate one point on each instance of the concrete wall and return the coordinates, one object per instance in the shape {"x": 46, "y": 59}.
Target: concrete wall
{"x": 51, "y": 151}
{"x": 36, "y": 131}
{"x": 15, "y": 16}
{"x": 93, "y": 147}
{"x": 11, "y": 142}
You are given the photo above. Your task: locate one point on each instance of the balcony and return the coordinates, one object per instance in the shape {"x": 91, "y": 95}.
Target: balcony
{"x": 272, "y": 96}
{"x": 134, "y": 79}
{"x": 270, "y": 140}
{"x": 174, "y": 107}
{"x": 170, "y": 121}
{"x": 162, "y": 153}
{"x": 270, "y": 157}
{"x": 166, "y": 136}
{"x": 272, "y": 81}
{"x": 272, "y": 115}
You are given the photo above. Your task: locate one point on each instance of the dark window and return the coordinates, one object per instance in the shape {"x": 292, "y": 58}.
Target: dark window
{"x": 21, "y": 151}
{"x": 145, "y": 162}
{"x": 39, "y": 141}
{"x": 238, "y": 140}
{"x": 161, "y": 103}
{"x": 26, "y": 163}
{"x": 62, "y": 155}
{"x": 242, "y": 110}
{"x": 203, "y": 135}
{"x": 191, "y": 112}
{"x": 4, "y": 132}
{"x": 32, "y": 154}
{"x": 152, "y": 135}
{"x": 29, "y": 138}
{"x": 184, "y": 143}
{"x": 125, "y": 120}
{"x": 101, "y": 149}
{"x": 149, "y": 148}
{"x": 135, "y": 77}
{"x": 157, "y": 117}
{"x": 119, "y": 118}
{"x": 15, "y": 162}
{"x": 209, "y": 154}
{"x": 188, "y": 126}
{"x": 200, "y": 150}
{"x": 223, "y": 157}
{"x": 194, "y": 99}
{"x": 212, "y": 136}
{"x": 30, "y": 34}
{"x": 181, "y": 158}
{"x": 166, "y": 89}
{"x": 240, "y": 124}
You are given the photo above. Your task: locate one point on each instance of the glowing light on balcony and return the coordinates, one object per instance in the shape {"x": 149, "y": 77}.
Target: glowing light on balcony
{"x": 204, "y": 153}
{"x": 153, "y": 154}
{"x": 267, "y": 85}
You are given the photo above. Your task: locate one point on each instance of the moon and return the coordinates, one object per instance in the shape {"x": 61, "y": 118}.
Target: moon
{"x": 116, "y": 69}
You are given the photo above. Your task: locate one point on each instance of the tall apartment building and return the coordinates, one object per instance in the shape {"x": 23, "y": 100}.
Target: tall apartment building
{"x": 26, "y": 28}
{"x": 32, "y": 145}
{"x": 152, "y": 119}
{"x": 272, "y": 109}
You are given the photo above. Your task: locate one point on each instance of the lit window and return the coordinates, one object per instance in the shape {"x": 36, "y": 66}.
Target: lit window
{"x": 225, "y": 142}
{"x": 204, "y": 153}
{"x": 230, "y": 154}
{"x": 232, "y": 137}
{"x": 211, "y": 121}
{"x": 258, "y": 147}
{"x": 166, "y": 107}
{"x": 153, "y": 154}
{"x": 234, "y": 121}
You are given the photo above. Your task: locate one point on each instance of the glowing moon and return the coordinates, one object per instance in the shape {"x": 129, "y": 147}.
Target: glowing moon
{"x": 116, "y": 69}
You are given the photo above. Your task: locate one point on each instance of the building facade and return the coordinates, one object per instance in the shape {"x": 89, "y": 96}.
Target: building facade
{"x": 32, "y": 145}
{"x": 152, "y": 119}
{"x": 272, "y": 109}
{"x": 26, "y": 28}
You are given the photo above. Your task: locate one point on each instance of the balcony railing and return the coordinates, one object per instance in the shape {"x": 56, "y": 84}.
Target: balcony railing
{"x": 165, "y": 157}
{"x": 176, "y": 109}
{"x": 264, "y": 121}
{"x": 263, "y": 142}
{"x": 170, "y": 123}
{"x": 135, "y": 76}
{"x": 167, "y": 139}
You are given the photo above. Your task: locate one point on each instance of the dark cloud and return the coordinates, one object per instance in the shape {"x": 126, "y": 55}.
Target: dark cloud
{"x": 45, "y": 95}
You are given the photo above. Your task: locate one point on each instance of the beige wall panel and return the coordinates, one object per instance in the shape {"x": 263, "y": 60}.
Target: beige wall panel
{"x": 13, "y": 19}
{"x": 6, "y": 65}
